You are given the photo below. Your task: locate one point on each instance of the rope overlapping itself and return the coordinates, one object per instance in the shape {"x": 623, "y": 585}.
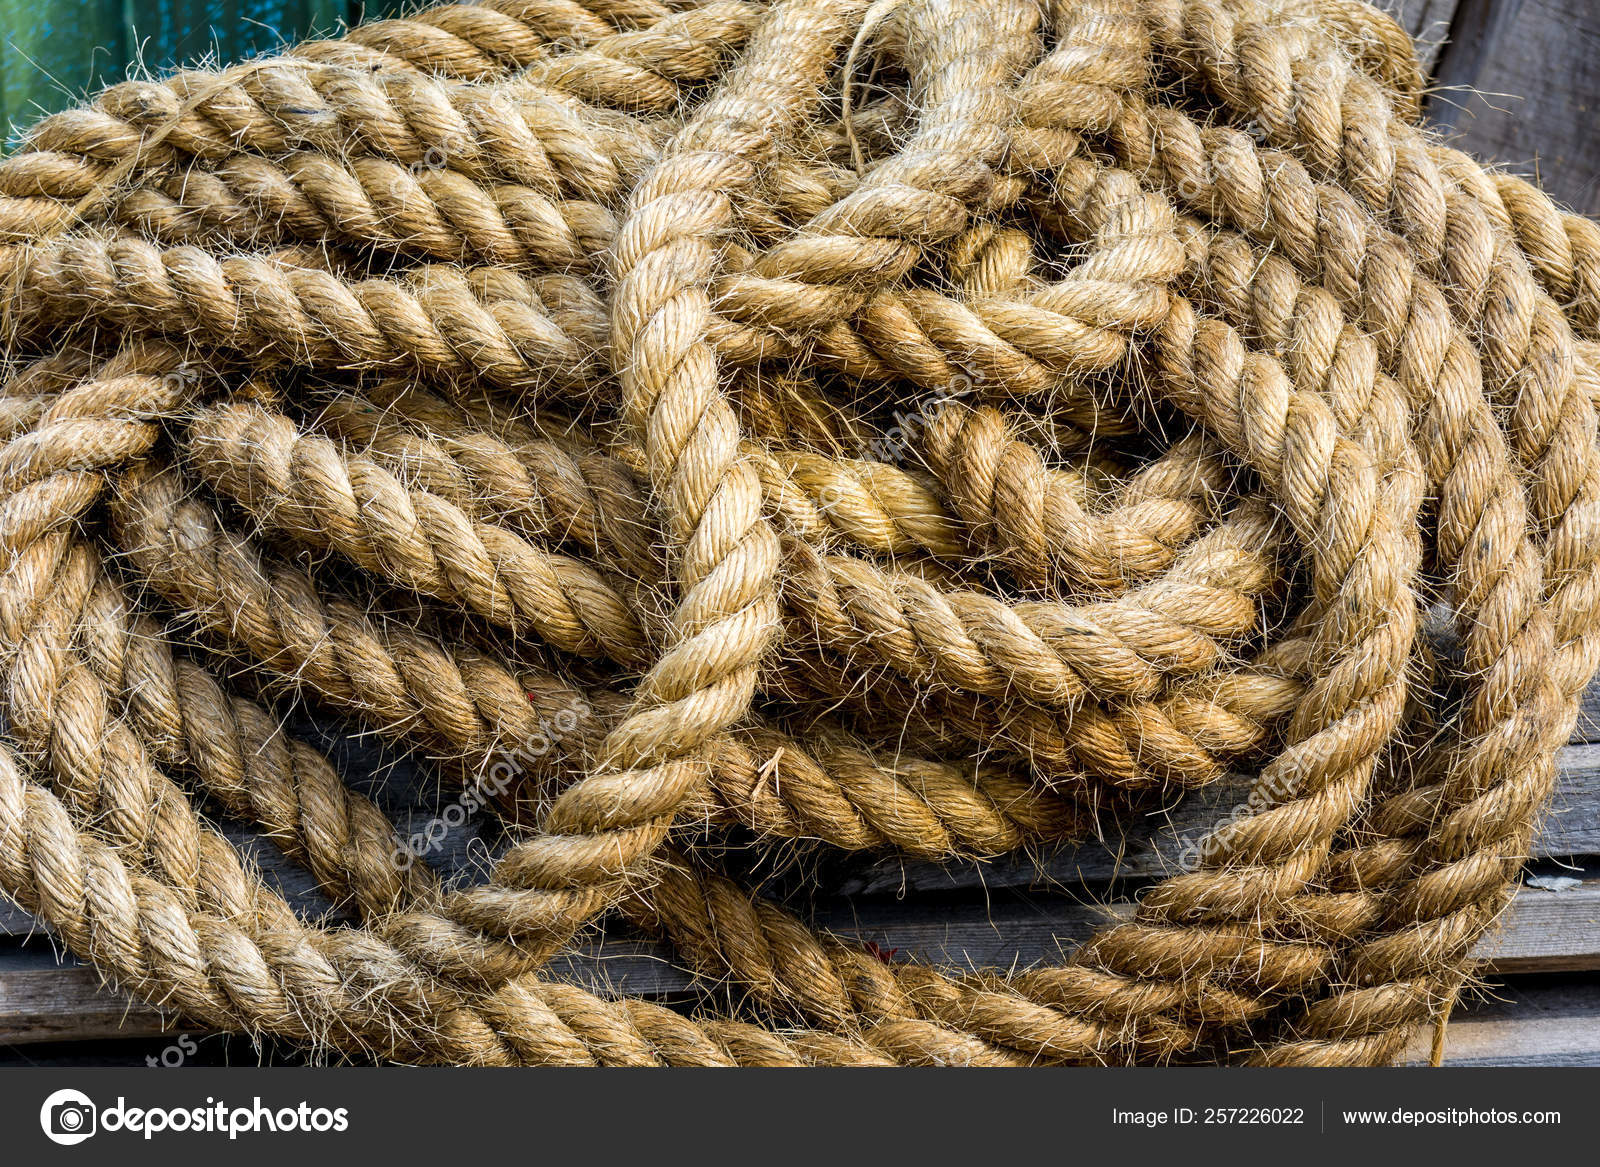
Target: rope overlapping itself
{"x": 931, "y": 427}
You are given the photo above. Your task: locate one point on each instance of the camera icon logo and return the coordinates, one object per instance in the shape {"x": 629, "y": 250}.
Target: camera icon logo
{"x": 68, "y": 1117}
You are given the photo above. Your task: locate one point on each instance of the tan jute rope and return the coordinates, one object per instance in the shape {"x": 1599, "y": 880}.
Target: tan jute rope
{"x": 710, "y": 431}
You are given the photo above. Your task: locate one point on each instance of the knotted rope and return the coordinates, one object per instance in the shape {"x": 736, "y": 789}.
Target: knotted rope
{"x": 709, "y": 430}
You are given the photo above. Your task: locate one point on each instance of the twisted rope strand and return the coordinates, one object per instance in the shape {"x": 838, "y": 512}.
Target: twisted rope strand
{"x": 1176, "y": 626}
{"x": 371, "y": 102}
{"x": 674, "y": 283}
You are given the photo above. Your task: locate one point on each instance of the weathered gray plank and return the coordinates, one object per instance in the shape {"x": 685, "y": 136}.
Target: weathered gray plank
{"x": 1518, "y": 1023}
{"x": 1547, "y": 931}
{"x": 1542, "y": 931}
{"x": 1428, "y": 22}
{"x": 1588, "y": 727}
{"x": 1571, "y": 822}
{"x": 1522, "y": 1024}
{"x": 39, "y": 1004}
{"x": 1475, "y": 26}
{"x": 1519, "y": 85}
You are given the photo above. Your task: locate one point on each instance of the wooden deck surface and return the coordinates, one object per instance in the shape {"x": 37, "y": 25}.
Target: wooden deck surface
{"x": 1011, "y": 913}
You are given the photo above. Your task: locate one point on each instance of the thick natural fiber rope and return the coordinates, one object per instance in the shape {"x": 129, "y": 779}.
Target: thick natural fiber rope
{"x": 960, "y": 645}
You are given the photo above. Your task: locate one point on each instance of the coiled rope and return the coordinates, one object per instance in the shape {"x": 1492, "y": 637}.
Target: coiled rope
{"x": 928, "y": 427}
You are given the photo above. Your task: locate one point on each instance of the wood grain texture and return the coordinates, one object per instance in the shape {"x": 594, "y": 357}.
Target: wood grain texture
{"x": 43, "y": 1001}
{"x": 1534, "y": 1022}
{"x": 1542, "y": 931}
{"x": 1428, "y": 22}
{"x": 70, "y": 1004}
{"x": 1518, "y": 86}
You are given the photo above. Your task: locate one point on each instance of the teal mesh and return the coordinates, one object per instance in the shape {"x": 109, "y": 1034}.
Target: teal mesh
{"x": 55, "y": 52}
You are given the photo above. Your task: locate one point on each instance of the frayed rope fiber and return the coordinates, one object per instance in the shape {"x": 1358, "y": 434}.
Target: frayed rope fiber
{"x": 715, "y": 431}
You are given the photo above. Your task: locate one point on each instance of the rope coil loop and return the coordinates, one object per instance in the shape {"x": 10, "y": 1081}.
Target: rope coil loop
{"x": 711, "y": 431}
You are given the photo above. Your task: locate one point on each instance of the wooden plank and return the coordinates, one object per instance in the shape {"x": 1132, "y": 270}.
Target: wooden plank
{"x": 1588, "y": 726}
{"x": 1475, "y": 27}
{"x": 70, "y": 1004}
{"x": 1519, "y": 85}
{"x": 1428, "y": 22}
{"x": 1542, "y": 931}
{"x": 41, "y": 1000}
{"x": 1522, "y": 1023}
{"x": 1547, "y": 930}
{"x": 1571, "y": 821}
